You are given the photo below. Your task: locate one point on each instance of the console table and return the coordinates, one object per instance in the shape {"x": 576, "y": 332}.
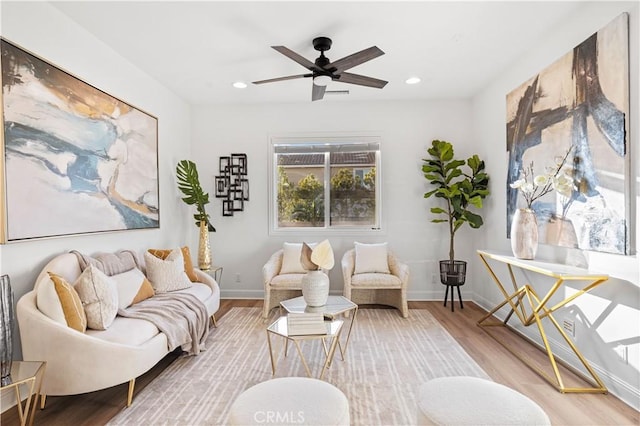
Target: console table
{"x": 530, "y": 309}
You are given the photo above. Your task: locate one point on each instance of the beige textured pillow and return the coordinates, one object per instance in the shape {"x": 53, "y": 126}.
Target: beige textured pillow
{"x": 186, "y": 254}
{"x": 71, "y": 304}
{"x": 133, "y": 287}
{"x": 372, "y": 258}
{"x": 291, "y": 258}
{"x": 168, "y": 274}
{"x": 99, "y": 297}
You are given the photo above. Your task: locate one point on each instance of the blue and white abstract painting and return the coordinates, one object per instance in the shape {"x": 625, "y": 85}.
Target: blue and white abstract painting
{"x": 76, "y": 160}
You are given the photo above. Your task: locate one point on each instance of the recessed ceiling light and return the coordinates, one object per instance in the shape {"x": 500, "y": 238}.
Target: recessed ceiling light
{"x": 240, "y": 85}
{"x": 412, "y": 80}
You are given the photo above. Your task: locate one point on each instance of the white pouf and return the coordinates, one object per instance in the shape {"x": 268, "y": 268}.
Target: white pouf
{"x": 474, "y": 401}
{"x": 290, "y": 400}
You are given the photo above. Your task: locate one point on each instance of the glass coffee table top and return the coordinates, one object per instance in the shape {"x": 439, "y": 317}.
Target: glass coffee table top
{"x": 335, "y": 305}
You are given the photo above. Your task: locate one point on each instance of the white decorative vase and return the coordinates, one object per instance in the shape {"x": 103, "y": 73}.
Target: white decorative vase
{"x": 524, "y": 234}
{"x": 204, "y": 249}
{"x": 315, "y": 288}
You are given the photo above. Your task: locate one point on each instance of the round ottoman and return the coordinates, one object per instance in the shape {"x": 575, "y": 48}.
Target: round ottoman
{"x": 474, "y": 401}
{"x": 290, "y": 400}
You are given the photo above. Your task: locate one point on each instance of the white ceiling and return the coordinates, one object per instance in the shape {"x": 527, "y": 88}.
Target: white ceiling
{"x": 198, "y": 49}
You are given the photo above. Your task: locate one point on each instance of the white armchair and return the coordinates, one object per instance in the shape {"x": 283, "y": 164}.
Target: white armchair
{"x": 374, "y": 287}
{"x": 277, "y": 286}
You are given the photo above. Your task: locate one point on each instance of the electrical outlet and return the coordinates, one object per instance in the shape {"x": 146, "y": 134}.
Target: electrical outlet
{"x": 237, "y": 277}
{"x": 623, "y": 353}
{"x": 569, "y": 326}
{"x": 434, "y": 278}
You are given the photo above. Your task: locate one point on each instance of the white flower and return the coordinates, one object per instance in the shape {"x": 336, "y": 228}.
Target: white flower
{"x": 535, "y": 186}
{"x": 541, "y": 180}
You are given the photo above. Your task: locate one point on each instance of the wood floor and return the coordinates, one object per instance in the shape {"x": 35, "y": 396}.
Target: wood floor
{"x": 98, "y": 408}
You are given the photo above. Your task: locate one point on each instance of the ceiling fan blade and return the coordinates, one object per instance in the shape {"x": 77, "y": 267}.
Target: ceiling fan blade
{"x": 355, "y": 59}
{"x": 361, "y": 80}
{"x": 290, "y": 77}
{"x": 298, "y": 58}
{"x": 317, "y": 92}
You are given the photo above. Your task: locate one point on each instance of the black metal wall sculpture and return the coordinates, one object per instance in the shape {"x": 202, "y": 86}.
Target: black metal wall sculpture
{"x": 232, "y": 183}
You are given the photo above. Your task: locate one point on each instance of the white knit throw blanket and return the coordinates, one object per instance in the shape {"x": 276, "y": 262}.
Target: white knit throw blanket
{"x": 182, "y": 317}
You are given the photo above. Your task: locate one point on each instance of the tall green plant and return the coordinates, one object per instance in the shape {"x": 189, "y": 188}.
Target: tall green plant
{"x": 189, "y": 184}
{"x": 459, "y": 190}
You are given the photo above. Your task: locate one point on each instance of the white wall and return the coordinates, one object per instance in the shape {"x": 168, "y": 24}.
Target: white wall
{"x": 608, "y": 319}
{"x": 43, "y": 30}
{"x": 243, "y": 244}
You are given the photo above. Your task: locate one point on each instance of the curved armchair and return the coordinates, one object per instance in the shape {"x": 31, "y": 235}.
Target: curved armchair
{"x": 377, "y": 288}
{"x": 278, "y": 287}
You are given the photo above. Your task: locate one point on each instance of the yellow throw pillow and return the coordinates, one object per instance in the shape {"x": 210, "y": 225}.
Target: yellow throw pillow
{"x": 133, "y": 287}
{"x": 71, "y": 304}
{"x": 186, "y": 254}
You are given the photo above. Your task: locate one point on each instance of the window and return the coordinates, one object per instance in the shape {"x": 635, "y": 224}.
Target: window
{"x": 325, "y": 183}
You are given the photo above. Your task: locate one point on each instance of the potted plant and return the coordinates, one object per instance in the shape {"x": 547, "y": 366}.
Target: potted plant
{"x": 462, "y": 189}
{"x": 189, "y": 184}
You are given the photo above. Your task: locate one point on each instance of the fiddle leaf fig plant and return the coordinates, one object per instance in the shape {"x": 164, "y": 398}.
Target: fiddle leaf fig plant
{"x": 461, "y": 188}
{"x": 189, "y": 184}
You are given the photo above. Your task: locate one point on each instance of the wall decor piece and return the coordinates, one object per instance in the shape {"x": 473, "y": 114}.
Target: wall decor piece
{"x": 75, "y": 159}
{"x": 579, "y": 103}
{"x": 232, "y": 183}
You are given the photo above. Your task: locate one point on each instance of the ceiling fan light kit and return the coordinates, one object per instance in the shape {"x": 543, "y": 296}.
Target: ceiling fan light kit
{"x": 323, "y": 71}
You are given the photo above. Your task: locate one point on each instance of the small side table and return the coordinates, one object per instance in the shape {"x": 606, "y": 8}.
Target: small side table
{"x": 216, "y": 273}
{"x": 335, "y": 306}
{"x": 279, "y": 328}
{"x": 30, "y": 374}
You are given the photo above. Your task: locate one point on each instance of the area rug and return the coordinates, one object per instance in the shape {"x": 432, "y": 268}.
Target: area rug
{"x": 387, "y": 359}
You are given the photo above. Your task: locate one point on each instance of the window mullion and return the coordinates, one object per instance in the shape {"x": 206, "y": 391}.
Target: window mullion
{"x": 327, "y": 190}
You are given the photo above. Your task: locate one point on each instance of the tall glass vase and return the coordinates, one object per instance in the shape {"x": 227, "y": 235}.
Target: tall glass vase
{"x": 204, "y": 248}
{"x": 524, "y": 234}
{"x": 6, "y": 328}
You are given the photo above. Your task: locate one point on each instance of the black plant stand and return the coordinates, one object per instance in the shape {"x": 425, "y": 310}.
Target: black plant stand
{"x": 453, "y": 274}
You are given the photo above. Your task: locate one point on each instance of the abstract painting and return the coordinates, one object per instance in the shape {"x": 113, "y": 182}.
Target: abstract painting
{"x": 75, "y": 159}
{"x": 579, "y": 104}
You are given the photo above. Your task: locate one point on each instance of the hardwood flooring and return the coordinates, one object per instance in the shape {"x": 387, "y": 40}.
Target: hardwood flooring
{"x": 97, "y": 408}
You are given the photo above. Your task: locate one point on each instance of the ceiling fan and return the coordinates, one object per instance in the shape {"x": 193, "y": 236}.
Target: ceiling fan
{"x": 324, "y": 71}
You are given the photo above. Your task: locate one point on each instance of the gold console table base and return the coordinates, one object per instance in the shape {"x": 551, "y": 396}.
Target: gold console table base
{"x": 525, "y": 298}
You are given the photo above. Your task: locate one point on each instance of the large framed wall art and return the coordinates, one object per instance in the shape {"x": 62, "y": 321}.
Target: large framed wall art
{"x": 75, "y": 159}
{"x": 580, "y": 105}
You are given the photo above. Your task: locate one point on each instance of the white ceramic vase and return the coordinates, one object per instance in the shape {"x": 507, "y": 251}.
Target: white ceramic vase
{"x": 315, "y": 288}
{"x": 524, "y": 234}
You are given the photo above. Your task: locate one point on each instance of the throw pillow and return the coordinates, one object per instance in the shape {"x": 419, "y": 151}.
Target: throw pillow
{"x": 291, "y": 258}
{"x": 372, "y": 258}
{"x": 99, "y": 297}
{"x": 186, "y": 254}
{"x": 168, "y": 274}
{"x": 71, "y": 304}
{"x": 133, "y": 287}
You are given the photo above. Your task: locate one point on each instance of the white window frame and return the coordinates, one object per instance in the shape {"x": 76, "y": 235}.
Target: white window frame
{"x": 276, "y": 140}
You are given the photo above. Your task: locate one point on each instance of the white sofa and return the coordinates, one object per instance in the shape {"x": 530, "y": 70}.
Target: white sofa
{"x": 97, "y": 359}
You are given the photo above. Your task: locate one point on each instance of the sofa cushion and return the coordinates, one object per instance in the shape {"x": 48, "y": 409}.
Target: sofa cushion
{"x": 133, "y": 287}
{"x": 375, "y": 280}
{"x": 70, "y": 301}
{"x": 371, "y": 258}
{"x": 168, "y": 274}
{"x": 99, "y": 297}
{"x": 186, "y": 254}
{"x": 127, "y": 331}
{"x": 293, "y": 281}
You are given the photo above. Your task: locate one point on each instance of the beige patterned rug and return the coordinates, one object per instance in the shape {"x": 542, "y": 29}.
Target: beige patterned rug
{"x": 387, "y": 359}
